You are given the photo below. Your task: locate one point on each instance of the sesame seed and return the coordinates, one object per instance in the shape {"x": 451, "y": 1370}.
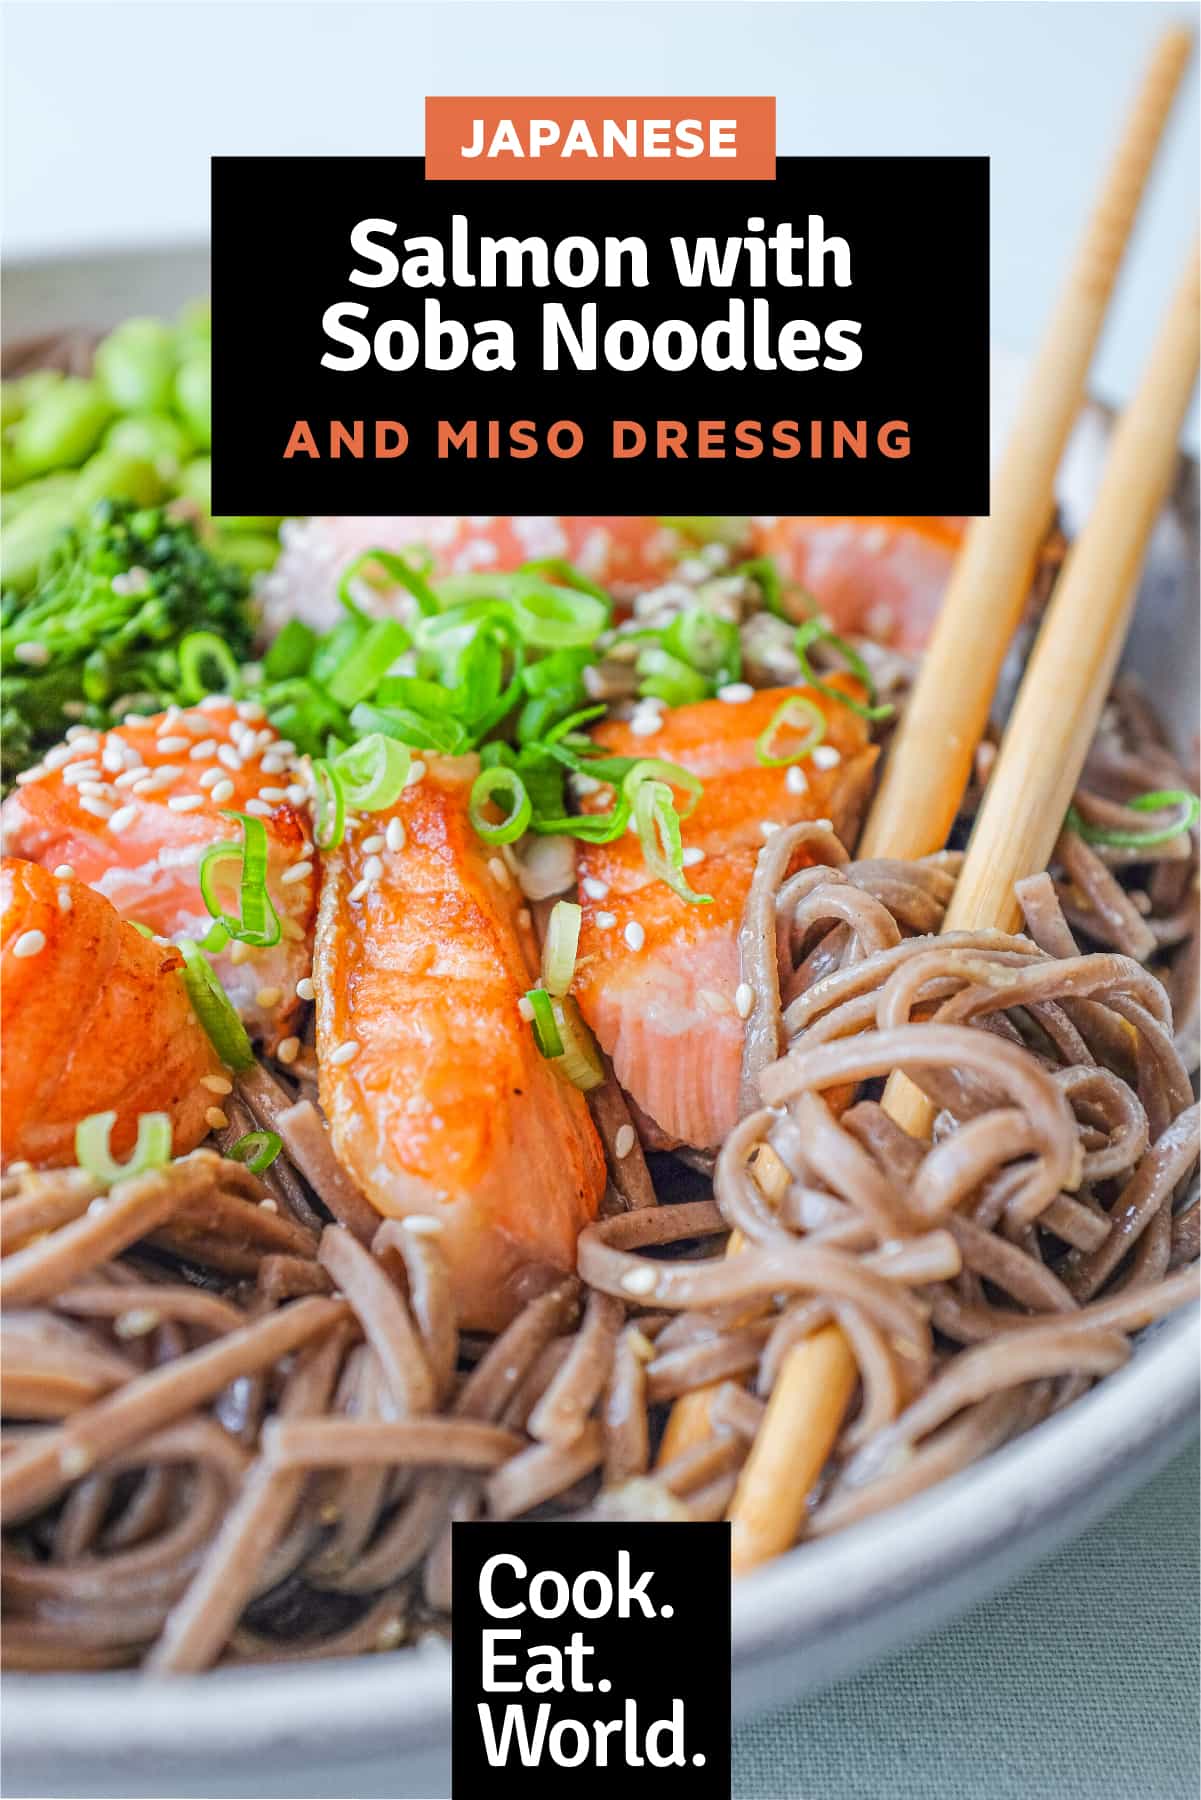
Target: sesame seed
{"x": 268, "y": 1205}
{"x": 639, "y": 1281}
{"x": 594, "y": 887}
{"x": 65, "y": 872}
{"x": 202, "y": 751}
{"x": 371, "y": 846}
{"x": 606, "y": 920}
{"x": 692, "y": 856}
{"x": 297, "y": 793}
{"x": 293, "y": 930}
{"x": 525, "y": 918}
{"x": 73, "y": 1459}
{"x": 35, "y": 654}
{"x": 215, "y": 1118}
{"x": 288, "y": 1050}
{"x": 138, "y": 1322}
{"x": 273, "y": 764}
{"x": 65, "y": 902}
{"x": 346, "y": 1052}
{"x": 249, "y": 709}
{"x": 217, "y": 1084}
{"x": 768, "y": 827}
{"x": 238, "y": 953}
{"x": 55, "y": 758}
{"x": 634, "y": 935}
{"x": 79, "y": 735}
{"x": 416, "y": 772}
{"x": 796, "y": 780}
{"x": 124, "y": 815}
{"x": 358, "y": 890}
{"x": 99, "y": 809}
{"x": 185, "y": 802}
{"x": 624, "y": 1142}
{"x": 30, "y": 943}
{"x": 736, "y": 693}
{"x": 112, "y": 757}
{"x": 284, "y": 746}
{"x": 525, "y": 1008}
{"x": 227, "y": 755}
{"x": 422, "y": 1224}
{"x": 395, "y": 835}
{"x": 645, "y": 724}
{"x": 744, "y": 999}
{"x": 170, "y": 745}
{"x": 223, "y": 791}
{"x": 259, "y": 808}
{"x": 274, "y": 794}
{"x": 97, "y": 1206}
{"x": 498, "y": 872}
{"x": 99, "y": 790}
{"x": 80, "y": 771}
{"x": 305, "y": 989}
{"x": 28, "y": 775}
{"x": 826, "y": 757}
{"x": 130, "y": 777}
{"x": 268, "y": 997}
{"x": 826, "y": 824}
{"x": 210, "y": 778}
{"x": 213, "y": 703}
{"x": 373, "y": 868}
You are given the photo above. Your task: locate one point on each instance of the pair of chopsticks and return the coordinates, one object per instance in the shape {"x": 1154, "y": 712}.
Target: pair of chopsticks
{"x": 1049, "y": 732}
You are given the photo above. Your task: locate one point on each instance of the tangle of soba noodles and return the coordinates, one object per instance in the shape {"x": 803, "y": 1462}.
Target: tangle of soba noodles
{"x": 246, "y": 1418}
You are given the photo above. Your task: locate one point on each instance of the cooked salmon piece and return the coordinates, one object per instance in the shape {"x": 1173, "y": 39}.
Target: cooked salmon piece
{"x": 880, "y": 577}
{"x": 95, "y": 1018}
{"x": 438, "y": 1100}
{"x": 622, "y": 554}
{"x": 131, "y": 812}
{"x": 657, "y": 977}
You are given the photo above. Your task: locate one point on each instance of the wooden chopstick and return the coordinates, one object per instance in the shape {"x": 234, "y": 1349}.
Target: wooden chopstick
{"x": 937, "y": 754}
{"x": 930, "y": 760}
{"x": 1032, "y": 782}
{"x": 1054, "y": 718}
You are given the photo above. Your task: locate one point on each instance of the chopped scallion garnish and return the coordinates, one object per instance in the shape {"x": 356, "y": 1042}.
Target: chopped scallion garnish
{"x": 796, "y": 714}
{"x": 658, "y": 827}
{"x": 560, "y": 946}
{"x": 93, "y": 1148}
{"x": 545, "y": 1026}
{"x": 257, "y": 1149}
{"x": 212, "y": 1007}
{"x": 1114, "y": 837}
{"x": 500, "y": 786}
{"x": 817, "y": 631}
{"x": 258, "y": 923}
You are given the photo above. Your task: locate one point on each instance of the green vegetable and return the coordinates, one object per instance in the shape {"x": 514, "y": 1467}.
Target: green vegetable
{"x": 794, "y": 714}
{"x": 500, "y": 786}
{"x": 193, "y": 398}
{"x": 560, "y": 946}
{"x": 546, "y": 1026}
{"x": 64, "y": 423}
{"x": 258, "y": 924}
{"x": 92, "y": 645}
{"x": 703, "y": 529}
{"x": 564, "y": 1039}
{"x": 212, "y": 1007}
{"x": 31, "y": 533}
{"x": 815, "y": 631}
{"x": 257, "y": 1149}
{"x": 373, "y": 772}
{"x": 706, "y": 643}
{"x": 329, "y": 808}
{"x": 93, "y": 1152}
{"x": 1189, "y": 809}
{"x": 254, "y": 553}
{"x": 152, "y": 438}
{"x": 109, "y": 475}
{"x": 136, "y": 366}
{"x": 658, "y": 827}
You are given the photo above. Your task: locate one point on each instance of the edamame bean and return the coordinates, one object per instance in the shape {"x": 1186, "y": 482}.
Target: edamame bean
{"x": 194, "y": 328}
{"x": 153, "y": 438}
{"x": 252, "y": 551}
{"x": 136, "y": 364}
{"x": 29, "y": 536}
{"x": 111, "y": 476}
{"x": 196, "y": 481}
{"x": 193, "y": 398}
{"x": 62, "y": 426}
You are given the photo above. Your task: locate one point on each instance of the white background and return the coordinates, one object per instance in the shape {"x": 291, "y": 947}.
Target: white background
{"x": 113, "y": 109}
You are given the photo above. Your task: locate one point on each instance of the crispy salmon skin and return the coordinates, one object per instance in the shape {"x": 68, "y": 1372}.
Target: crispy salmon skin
{"x": 657, "y": 978}
{"x": 438, "y": 1100}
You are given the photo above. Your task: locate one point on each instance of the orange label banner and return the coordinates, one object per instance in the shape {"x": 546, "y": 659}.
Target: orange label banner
{"x": 588, "y": 139}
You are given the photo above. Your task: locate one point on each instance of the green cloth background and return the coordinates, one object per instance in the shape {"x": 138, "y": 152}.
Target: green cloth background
{"x": 1079, "y": 1683}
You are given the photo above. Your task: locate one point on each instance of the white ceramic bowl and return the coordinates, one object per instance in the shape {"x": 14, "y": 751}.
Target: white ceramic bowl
{"x": 381, "y": 1725}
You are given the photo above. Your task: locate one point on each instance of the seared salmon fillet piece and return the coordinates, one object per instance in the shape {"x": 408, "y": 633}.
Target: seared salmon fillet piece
{"x": 880, "y": 577}
{"x": 438, "y": 1100}
{"x": 131, "y": 812}
{"x": 657, "y": 977}
{"x": 95, "y": 1018}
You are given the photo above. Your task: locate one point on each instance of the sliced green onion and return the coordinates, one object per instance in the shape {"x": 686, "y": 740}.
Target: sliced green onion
{"x": 501, "y": 786}
{"x": 653, "y": 768}
{"x": 664, "y": 677}
{"x": 93, "y": 1149}
{"x": 704, "y": 528}
{"x": 763, "y": 569}
{"x": 590, "y": 828}
{"x": 556, "y": 618}
{"x": 1118, "y": 839}
{"x": 817, "y": 631}
{"x": 258, "y": 924}
{"x": 257, "y": 1149}
{"x": 329, "y": 808}
{"x": 207, "y": 665}
{"x": 560, "y": 946}
{"x": 373, "y": 772}
{"x": 422, "y": 730}
{"x": 706, "y": 642}
{"x": 579, "y": 1061}
{"x": 212, "y": 1007}
{"x": 401, "y": 570}
{"x": 794, "y": 714}
{"x": 546, "y": 1029}
{"x": 291, "y": 652}
{"x": 142, "y": 930}
{"x": 658, "y": 827}
{"x": 373, "y": 655}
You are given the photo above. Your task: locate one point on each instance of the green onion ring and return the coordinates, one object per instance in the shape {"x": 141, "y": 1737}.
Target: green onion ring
{"x": 815, "y": 631}
{"x": 658, "y": 826}
{"x": 503, "y": 786}
{"x": 1115, "y": 838}
{"x": 812, "y": 719}
{"x": 373, "y": 772}
{"x": 546, "y": 1030}
{"x": 559, "y": 947}
{"x": 653, "y": 768}
{"x": 194, "y": 650}
{"x": 93, "y": 1149}
{"x": 257, "y": 1149}
{"x": 329, "y": 806}
{"x": 212, "y": 1007}
{"x": 259, "y": 922}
